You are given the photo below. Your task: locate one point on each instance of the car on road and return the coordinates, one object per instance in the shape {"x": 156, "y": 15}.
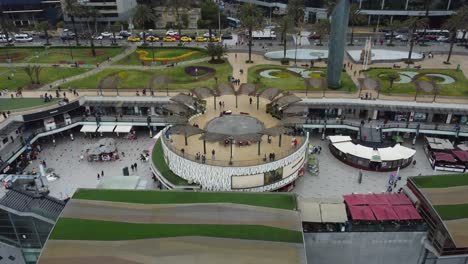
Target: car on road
{"x": 186, "y": 39}
{"x": 169, "y": 39}
{"x": 215, "y": 39}
{"x": 106, "y": 34}
{"x": 226, "y": 35}
{"x": 201, "y": 39}
{"x": 207, "y": 35}
{"x": 99, "y": 37}
{"x": 3, "y": 39}
{"x": 402, "y": 37}
{"x": 152, "y": 38}
{"x": 171, "y": 33}
{"x": 125, "y": 33}
{"x": 443, "y": 39}
{"x": 314, "y": 35}
{"x": 133, "y": 39}
{"x": 117, "y": 37}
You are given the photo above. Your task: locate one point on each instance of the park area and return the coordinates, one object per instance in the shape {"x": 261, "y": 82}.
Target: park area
{"x": 448, "y": 82}
{"x": 162, "y": 55}
{"x": 295, "y": 78}
{"x": 58, "y": 55}
{"x": 180, "y": 77}
{"x": 11, "y": 104}
{"x": 160, "y": 224}
{"x": 14, "y": 78}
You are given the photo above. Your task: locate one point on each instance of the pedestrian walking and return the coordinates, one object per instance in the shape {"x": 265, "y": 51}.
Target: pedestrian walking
{"x": 236, "y": 53}
{"x": 44, "y": 164}
{"x": 213, "y": 154}
{"x": 250, "y": 100}
{"x": 135, "y": 165}
{"x": 71, "y": 137}
{"x": 81, "y": 157}
{"x": 132, "y": 167}
{"x": 53, "y": 142}
{"x": 102, "y": 173}
{"x": 98, "y": 176}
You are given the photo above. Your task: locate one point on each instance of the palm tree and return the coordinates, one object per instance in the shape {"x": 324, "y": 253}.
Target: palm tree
{"x": 296, "y": 11}
{"x": 251, "y": 18}
{"x": 44, "y": 26}
{"x": 92, "y": 13}
{"x": 285, "y": 26}
{"x": 73, "y": 9}
{"x": 394, "y": 26}
{"x": 414, "y": 23}
{"x": 211, "y": 50}
{"x": 143, "y": 15}
{"x": 392, "y": 77}
{"x": 30, "y": 72}
{"x": 115, "y": 27}
{"x": 7, "y": 26}
{"x": 354, "y": 18}
{"x": 453, "y": 24}
{"x": 180, "y": 9}
{"x": 37, "y": 71}
{"x": 322, "y": 28}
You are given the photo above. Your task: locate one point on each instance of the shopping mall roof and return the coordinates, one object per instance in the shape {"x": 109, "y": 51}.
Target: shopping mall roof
{"x": 176, "y": 227}
{"x": 316, "y": 211}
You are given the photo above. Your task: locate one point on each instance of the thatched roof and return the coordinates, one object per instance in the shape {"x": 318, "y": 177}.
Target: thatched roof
{"x": 276, "y": 131}
{"x": 287, "y": 100}
{"x": 105, "y": 145}
{"x": 184, "y": 99}
{"x": 270, "y": 93}
{"x": 293, "y": 120}
{"x": 224, "y": 89}
{"x": 187, "y": 130}
{"x": 175, "y": 119}
{"x": 316, "y": 83}
{"x": 202, "y": 92}
{"x": 426, "y": 86}
{"x": 248, "y": 89}
{"x": 369, "y": 84}
{"x": 295, "y": 109}
{"x": 176, "y": 108}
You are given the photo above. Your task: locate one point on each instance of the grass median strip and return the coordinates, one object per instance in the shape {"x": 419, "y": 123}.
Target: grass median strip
{"x": 441, "y": 181}
{"x": 280, "y": 201}
{"x": 79, "y": 229}
{"x": 9, "y": 104}
{"x": 452, "y": 211}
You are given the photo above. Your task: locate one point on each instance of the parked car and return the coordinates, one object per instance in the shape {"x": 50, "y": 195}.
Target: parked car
{"x": 226, "y": 35}
{"x": 152, "y": 38}
{"x": 23, "y": 38}
{"x": 186, "y": 39}
{"x": 314, "y": 36}
{"x": 169, "y": 39}
{"x": 207, "y": 35}
{"x": 201, "y": 39}
{"x": 443, "y": 39}
{"x": 99, "y": 37}
{"x": 171, "y": 33}
{"x": 215, "y": 39}
{"x": 402, "y": 37}
{"x": 133, "y": 39}
{"x": 106, "y": 34}
{"x": 125, "y": 33}
{"x": 116, "y": 37}
{"x": 3, "y": 39}
{"x": 67, "y": 35}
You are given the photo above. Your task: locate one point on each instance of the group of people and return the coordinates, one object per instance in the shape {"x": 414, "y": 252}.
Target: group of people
{"x": 221, "y": 104}
{"x": 144, "y": 92}
{"x": 201, "y": 157}
{"x": 392, "y": 183}
{"x": 367, "y": 96}
{"x": 271, "y": 157}
{"x": 316, "y": 150}
{"x": 235, "y": 81}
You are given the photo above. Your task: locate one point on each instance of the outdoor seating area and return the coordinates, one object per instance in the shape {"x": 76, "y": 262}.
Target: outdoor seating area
{"x": 443, "y": 156}
{"x": 104, "y": 150}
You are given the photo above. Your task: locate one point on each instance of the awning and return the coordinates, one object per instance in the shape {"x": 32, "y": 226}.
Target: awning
{"x": 310, "y": 211}
{"x": 406, "y": 212}
{"x": 333, "y": 213}
{"x": 447, "y": 157}
{"x": 397, "y": 198}
{"x": 106, "y": 128}
{"x": 122, "y": 129}
{"x": 361, "y": 213}
{"x": 375, "y": 199}
{"x": 337, "y": 139}
{"x": 384, "y": 212}
{"x": 88, "y": 128}
{"x": 355, "y": 199}
{"x": 461, "y": 155}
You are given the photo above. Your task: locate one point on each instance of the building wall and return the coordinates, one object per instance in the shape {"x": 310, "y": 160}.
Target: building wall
{"x": 364, "y": 247}
{"x": 165, "y": 16}
{"x": 111, "y": 10}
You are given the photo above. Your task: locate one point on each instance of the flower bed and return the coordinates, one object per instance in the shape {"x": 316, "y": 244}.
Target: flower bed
{"x": 143, "y": 55}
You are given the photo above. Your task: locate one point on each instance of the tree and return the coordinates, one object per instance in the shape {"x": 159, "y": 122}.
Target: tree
{"x": 115, "y": 27}
{"x": 414, "y": 23}
{"x": 6, "y": 25}
{"x": 143, "y": 15}
{"x": 455, "y": 22}
{"x": 251, "y": 19}
{"x": 394, "y": 26}
{"x": 211, "y": 50}
{"x": 285, "y": 26}
{"x": 322, "y": 28}
{"x": 92, "y": 13}
{"x": 73, "y": 9}
{"x": 179, "y": 8}
{"x": 392, "y": 77}
{"x": 220, "y": 51}
{"x": 37, "y": 71}
{"x": 355, "y": 18}
{"x": 296, "y": 11}
{"x": 44, "y": 26}
{"x": 30, "y": 72}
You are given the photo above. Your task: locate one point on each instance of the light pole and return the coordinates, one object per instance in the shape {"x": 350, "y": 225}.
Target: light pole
{"x": 220, "y": 8}
{"x": 295, "y": 50}
{"x": 152, "y": 51}
{"x": 231, "y": 139}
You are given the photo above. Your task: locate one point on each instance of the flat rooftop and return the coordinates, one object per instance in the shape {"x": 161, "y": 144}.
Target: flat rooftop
{"x": 448, "y": 195}
{"x": 126, "y": 226}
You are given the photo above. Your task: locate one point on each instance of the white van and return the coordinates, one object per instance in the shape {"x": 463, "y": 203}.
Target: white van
{"x": 4, "y": 40}
{"x": 23, "y": 38}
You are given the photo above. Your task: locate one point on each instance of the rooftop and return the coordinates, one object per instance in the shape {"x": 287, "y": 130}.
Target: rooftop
{"x": 176, "y": 227}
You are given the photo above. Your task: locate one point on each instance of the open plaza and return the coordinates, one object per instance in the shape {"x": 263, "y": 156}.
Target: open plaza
{"x": 310, "y": 147}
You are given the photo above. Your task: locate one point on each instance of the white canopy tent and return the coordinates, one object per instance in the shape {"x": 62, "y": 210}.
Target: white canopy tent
{"x": 396, "y": 152}
{"x": 106, "y": 128}
{"x": 337, "y": 139}
{"x": 122, "y": 129}
{"x": 89, "y": 128}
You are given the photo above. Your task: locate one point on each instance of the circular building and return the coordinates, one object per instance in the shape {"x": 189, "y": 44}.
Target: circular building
{"x": 231, "y": 143}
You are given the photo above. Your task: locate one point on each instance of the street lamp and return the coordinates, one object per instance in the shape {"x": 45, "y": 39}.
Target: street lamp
{"x": 71, "y": 50}
{"x": 295, "y": 50}
{"x": 231, "y": 140}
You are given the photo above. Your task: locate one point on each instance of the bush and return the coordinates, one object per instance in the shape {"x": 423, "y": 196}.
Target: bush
{"x": 284, "y": 61}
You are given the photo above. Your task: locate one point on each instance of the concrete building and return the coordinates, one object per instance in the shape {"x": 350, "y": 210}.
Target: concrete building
{"x": 167, "y": 18}
{"x": 110, "y": 10}
{"x": 27, "y": 12}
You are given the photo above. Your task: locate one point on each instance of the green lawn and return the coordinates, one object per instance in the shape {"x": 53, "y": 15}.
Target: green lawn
{"x": 441, "y": 181}
{"x": 140, "y": 78}
{"x": 458, "y": 88}
{"x": 163, "y": 168}
{"x": 292, "y": 81}
{"x": 20, "y": 79}
{"x": 452, "y": 211}
{"x": 165, "y": 52}
{"x": 58, "y": 55}
{"x": 8, "y": 104}
{"x": 79, "y": 229}
{"x": 272, "y": 200}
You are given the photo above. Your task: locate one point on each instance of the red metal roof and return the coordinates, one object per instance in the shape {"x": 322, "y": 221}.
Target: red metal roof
{"x": 406, "y": 212}
{"x": 355, "y": 199}
{"x": 397, "y": 199}
{"x": 376, "y": 199}
{"x": 361, "y": 213}
{"x": 441, "y": 156}
{"x": 461, "y": 155}
{"x": 384, "y": 212}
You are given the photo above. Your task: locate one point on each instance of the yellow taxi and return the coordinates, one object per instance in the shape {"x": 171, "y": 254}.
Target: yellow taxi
{"x": 201, "y": 39}
{"x": 133, "y": 39}
{"x": 185, "y": 39}
{"x": 169, "y": 39}
{"x": 152, "y": 38}
{"x": 214, "y": 39}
